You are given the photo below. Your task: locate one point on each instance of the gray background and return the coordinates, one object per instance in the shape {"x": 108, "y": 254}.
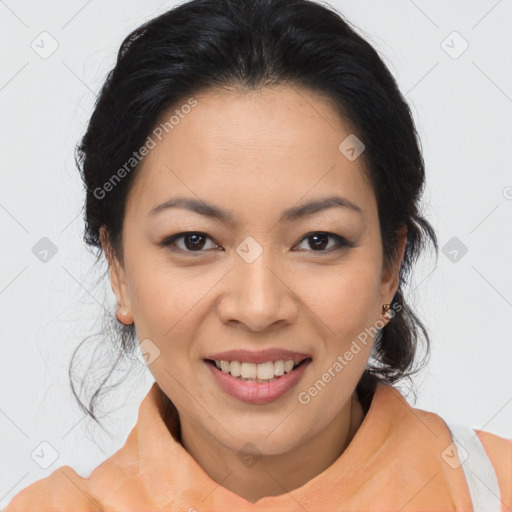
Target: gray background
{"x": 462, "y": 104}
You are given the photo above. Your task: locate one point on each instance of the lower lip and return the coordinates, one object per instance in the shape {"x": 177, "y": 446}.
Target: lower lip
{"x": 257, "y": 392}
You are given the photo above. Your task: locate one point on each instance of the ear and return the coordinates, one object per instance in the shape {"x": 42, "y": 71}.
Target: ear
{"x": 391, "y": 277}
{"x": 118, "y": 281}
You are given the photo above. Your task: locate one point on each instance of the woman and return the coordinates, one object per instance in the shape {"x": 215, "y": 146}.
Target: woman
{"x": 253, "y": 178}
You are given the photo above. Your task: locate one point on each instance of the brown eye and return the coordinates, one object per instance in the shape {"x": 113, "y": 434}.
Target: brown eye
{"x": 320, "y": 240}
{"x": 192, "y": 242}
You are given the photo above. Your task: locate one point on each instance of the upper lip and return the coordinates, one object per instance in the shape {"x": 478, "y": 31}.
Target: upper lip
{"x": 261, "y": 356}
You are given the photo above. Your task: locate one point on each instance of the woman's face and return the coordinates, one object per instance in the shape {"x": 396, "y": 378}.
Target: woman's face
{"x": 257, "y": 279}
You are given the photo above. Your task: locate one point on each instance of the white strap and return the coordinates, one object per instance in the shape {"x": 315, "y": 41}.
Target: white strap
{"x": 478, "y": 469}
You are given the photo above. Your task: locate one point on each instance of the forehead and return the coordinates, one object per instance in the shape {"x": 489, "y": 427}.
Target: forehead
{"x": 252, "y": 149}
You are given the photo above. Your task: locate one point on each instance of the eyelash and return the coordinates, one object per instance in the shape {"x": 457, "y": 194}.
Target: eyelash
{"x": 170, "y": 241}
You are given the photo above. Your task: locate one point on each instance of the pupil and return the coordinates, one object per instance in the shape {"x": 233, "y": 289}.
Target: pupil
{"x": 194, "y": 243}
{"x": 319, "y": 245}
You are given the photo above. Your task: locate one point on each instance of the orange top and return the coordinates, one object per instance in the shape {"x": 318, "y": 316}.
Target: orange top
{"x": 394, "y": 462}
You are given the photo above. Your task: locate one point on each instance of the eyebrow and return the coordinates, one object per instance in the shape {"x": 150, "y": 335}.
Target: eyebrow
{"x": 289, "y": 215}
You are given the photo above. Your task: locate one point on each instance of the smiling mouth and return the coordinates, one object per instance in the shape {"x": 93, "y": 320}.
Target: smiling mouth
{"x": 275, "y": 377}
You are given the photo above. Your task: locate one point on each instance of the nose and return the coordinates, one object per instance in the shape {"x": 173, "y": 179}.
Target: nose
{"x": 258, "y": 295}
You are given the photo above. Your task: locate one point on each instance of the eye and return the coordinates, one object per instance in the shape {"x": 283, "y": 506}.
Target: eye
{"x": 193, "y": 241}
{"x": 319, "y": 240}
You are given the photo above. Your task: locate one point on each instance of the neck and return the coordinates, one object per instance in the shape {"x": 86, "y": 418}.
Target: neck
{"x": 272, "y": 474}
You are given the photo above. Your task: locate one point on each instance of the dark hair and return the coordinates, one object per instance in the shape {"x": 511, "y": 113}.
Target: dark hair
{"x": 243, "y": 45}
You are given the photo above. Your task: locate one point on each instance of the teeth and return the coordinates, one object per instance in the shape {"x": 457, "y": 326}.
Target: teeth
{"x": 248, "y": 370}
{"x": 279, "y": 368}
{"x": 266, "y": 370}
{"x": 257, "y": 372}
{"x": 288, "y": 365}
{"x": 235, "y": 368}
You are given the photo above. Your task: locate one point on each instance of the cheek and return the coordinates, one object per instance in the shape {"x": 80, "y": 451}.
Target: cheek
{"x": 162, "y": 295}
{"x": 345, "y": 297}
{"x": 169, "y": 305}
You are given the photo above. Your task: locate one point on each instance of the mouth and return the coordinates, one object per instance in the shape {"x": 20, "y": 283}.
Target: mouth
{"x": 266, "y": 372}
{"x": 242, "y": 380}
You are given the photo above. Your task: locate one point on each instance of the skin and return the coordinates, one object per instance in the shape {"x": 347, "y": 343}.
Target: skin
{"x": 255, "y": 154}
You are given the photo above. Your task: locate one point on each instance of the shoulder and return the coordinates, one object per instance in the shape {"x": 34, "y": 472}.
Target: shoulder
{"x": 499, "y": 451}
{"x": 63, "y": 489}
{"x": 428, "y": 436}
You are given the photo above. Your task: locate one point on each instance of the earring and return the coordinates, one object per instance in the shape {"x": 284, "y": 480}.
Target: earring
{"x": 386, "y": 310}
